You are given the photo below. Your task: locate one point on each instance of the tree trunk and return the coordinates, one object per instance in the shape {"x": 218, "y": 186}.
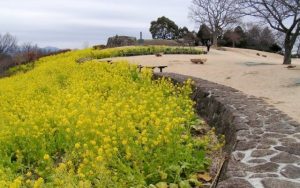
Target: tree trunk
{"x": 298, "y": 48}
{"x": 215, "y": 40}
{"x": 287, "y": 57}
{"x": 288, "y": 47}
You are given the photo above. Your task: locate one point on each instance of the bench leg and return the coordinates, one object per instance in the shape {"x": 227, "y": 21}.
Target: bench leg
{"x": 160, "y": 69}
{"x": 140, "y": 68}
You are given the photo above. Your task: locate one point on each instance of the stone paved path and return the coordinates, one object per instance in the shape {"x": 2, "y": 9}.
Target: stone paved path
{"x": 263, "y": 142}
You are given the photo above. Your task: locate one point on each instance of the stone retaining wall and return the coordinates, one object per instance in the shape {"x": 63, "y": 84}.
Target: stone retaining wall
{"x": 263, "y": 143}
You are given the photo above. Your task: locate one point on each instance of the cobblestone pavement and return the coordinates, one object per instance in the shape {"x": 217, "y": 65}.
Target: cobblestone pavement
{"x": 263, "y": 143}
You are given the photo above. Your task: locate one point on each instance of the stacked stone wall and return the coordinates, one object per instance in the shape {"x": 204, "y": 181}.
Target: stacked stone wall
{"x": 262, "y": 143}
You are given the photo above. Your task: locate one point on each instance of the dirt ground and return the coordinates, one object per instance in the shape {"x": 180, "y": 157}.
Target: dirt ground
{"x": 241, "y": 69}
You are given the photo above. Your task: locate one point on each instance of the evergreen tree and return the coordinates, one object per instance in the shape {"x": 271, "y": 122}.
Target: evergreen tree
{"x": 164, "y": 28}
{"x": 204, "y": 34}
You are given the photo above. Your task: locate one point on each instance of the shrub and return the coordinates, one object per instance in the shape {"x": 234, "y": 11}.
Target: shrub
{"x": 143, "y": 50}
{"x": 275, "y": 48}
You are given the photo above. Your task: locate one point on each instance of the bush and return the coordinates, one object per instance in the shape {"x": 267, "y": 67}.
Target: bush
{"x": 99, "y": 47}
{"x": 5, "y": 63}
{"x": 143, "y": 50}
{"x": 275, "y": 48}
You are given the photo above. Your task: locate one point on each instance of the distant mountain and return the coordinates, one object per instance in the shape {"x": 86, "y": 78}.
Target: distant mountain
{"x": 51, "y": 49}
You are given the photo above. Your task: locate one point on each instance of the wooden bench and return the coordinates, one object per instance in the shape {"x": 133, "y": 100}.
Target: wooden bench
{"x": 161, "y": 68}
{"x": 109, "y": 61}
{"x": 105, "y": 61}
{"x": 198, "y": 61}
{"x": 159, "y": 54}
{"x": 291, "y": 66}
{"x": 152, "y": 67}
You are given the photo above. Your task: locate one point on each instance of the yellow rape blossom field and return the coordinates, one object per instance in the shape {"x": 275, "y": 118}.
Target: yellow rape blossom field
{"x": 65, "y": 124}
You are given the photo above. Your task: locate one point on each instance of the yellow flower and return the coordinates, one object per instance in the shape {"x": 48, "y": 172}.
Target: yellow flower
{"x": 28, "y": 174}
{"x": 92, "y": 116}
{"x": 16, "y": 183}
{"x": 93, "y": 142}
{"x": 46, "y": 157}
{"x": 77, "y": 145}
{"x": 38, "y": 183}
{"x": 28, "y": 181}
{"x": 99, "y": 158}
{"x": 81, "y": 175}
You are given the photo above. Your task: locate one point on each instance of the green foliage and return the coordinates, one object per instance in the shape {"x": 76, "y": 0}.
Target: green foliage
{"x": 182, "y": 32}
{"x": 275, "y": 48}
{"x": 204, "y": 33}
{"x": 142, "y": 50}
{"x": 20, "y": 69}
{"x": 163, "y": 28}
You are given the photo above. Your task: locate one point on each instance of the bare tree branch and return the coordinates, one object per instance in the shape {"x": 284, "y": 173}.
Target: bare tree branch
{"x": 216, "y": 14}
{"x": 8, "y": 44}
{"x": 281, "y": 15}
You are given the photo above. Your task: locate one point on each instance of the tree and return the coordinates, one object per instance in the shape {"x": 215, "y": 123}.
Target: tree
{"x": 298, "y": 46}
{"x": 30, "y": 52}
{"x": 260, "y": 38}
{"x": 187, "y": 37}
{"x": 233, "y": 36}
{"x": 216, "y": 14}
{"x": 253, "y": 36}
{"x": 242, "y": 43}
{"x": 182, "y": 32}
{"x": 164, "y": 28}
{"x": 204, "y": 34}
{"x": 267, "y": 38}
{"x": 8, "y": 44}
{"x": 281, "y": 15}
{"x": 191, "y": 38}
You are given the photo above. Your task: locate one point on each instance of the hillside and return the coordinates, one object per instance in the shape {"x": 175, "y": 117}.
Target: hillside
{"x": 95, "y": 124}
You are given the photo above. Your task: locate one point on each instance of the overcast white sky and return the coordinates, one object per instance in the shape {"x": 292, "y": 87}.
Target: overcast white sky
{"x": 71, "y": 23}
